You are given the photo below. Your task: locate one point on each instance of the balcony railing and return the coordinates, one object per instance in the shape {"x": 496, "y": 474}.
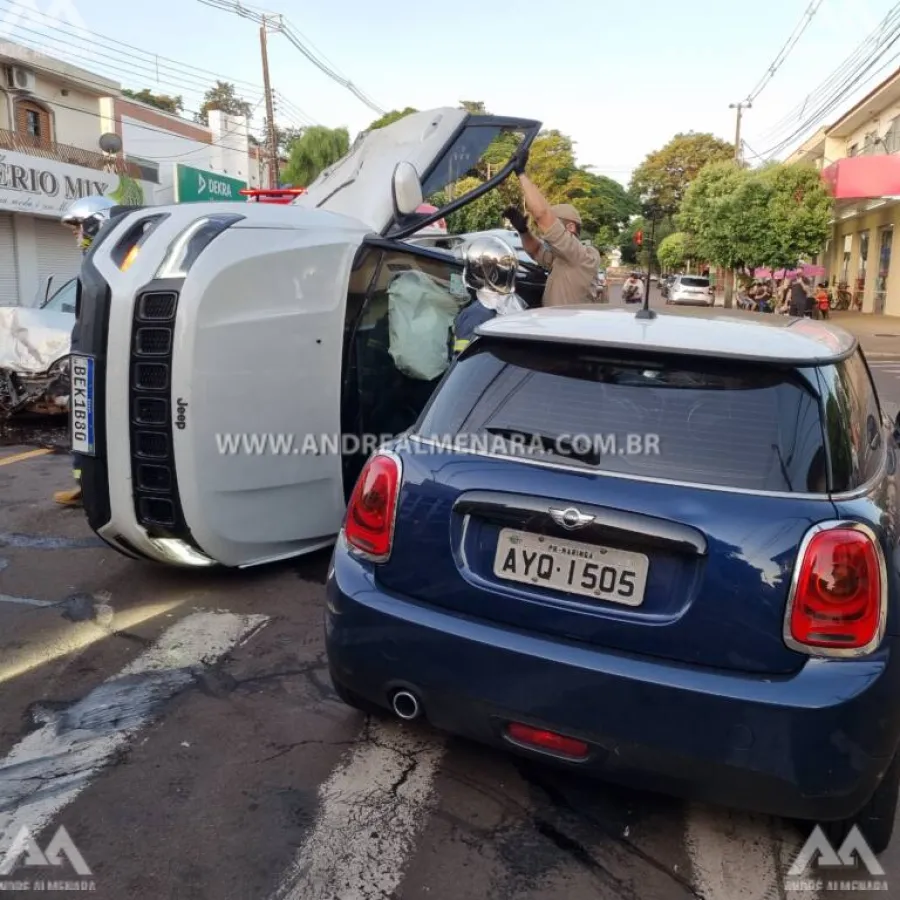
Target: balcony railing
{"x": 76, "y": 156}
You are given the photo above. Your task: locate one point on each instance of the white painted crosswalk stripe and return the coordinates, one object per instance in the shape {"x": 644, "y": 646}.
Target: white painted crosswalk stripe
{"x": 372, "y": 809}
{"x": 50, "y": 767}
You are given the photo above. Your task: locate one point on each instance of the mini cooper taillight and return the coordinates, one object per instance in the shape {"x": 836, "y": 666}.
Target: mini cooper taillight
{"x": 838, "y": 603}
{"x": 369, "y": 525}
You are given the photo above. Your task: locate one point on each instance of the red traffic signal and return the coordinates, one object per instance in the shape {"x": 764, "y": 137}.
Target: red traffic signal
{"x": 639, "y": 238}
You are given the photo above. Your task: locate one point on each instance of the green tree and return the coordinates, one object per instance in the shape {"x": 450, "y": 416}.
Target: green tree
{"x": 668, "y": 172}
{"x": 773, "y": 216}
{"x": 165, "y": 102}
{"x": 798, "y": 212}
{"x": 675, "y": 250}
{"x": 316, "y": 149}
{"x": 223, "y": 97}
{"x": 480, "y": 215}
{"x": 391, "y": 117}
{"x": 712, "y": 212}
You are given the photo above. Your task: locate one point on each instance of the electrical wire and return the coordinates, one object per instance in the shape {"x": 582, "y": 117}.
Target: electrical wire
{"x": 107, "y": 65}
{"x": 278, "y": 24}
{"x": 785, "y": 51}
{"x": 836, "y": 98}
{"x": 154, "y": 59}
{"x": 837, "y": 81}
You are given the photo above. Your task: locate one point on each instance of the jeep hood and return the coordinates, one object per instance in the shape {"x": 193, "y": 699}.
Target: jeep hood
{"x": 31, "y": 340}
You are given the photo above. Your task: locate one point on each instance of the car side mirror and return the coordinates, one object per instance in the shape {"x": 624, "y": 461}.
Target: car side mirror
{"x": 407, "y": 189}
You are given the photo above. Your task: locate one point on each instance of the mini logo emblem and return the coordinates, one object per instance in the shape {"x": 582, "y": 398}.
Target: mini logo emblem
{"x": 570, "y": 518}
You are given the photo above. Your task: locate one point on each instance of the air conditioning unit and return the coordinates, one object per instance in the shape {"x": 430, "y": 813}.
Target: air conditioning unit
{"x": 20, "y": 79}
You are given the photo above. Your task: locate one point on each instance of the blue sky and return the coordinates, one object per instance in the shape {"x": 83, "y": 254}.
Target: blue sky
{"x": 619, "y": 78}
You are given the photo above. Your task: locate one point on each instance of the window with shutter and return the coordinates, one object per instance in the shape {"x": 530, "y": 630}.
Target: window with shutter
{"x": 33, "y": 123}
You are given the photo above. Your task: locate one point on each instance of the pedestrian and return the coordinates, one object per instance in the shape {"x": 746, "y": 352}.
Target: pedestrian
{"x": 85, "y": 218}
{"x": 822, "y": 300}
{"x": 798, "y": 305}
{"x": 573, "y": 265}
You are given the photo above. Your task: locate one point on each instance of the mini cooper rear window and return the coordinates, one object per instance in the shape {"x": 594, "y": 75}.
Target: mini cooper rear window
{"x": 736, "y": 425}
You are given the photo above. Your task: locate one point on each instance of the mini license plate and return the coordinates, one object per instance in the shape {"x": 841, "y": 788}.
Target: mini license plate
{"x": 586, "y": 570}
{"x": 82, "y": 405}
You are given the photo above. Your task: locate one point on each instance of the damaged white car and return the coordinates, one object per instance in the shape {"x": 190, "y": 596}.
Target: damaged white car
{"x": 34, "y": 355}
{"x": 221, "y": 349}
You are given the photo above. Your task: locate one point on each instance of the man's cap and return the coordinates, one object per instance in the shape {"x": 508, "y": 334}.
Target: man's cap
{"x": 566, "y": 212}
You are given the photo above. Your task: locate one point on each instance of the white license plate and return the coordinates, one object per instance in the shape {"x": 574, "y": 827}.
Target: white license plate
{"x": 586, "y": 570}
{"x": 82, "y": 405}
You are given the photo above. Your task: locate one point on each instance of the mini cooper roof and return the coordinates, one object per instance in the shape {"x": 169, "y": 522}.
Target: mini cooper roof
{"x": 722, "y": 335}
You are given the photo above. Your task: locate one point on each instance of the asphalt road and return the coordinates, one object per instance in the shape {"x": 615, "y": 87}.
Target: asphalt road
{"x": 182, "y": 729}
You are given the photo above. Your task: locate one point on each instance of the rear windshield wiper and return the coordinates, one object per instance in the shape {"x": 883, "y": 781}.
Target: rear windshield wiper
{"x": 548, "y": 444}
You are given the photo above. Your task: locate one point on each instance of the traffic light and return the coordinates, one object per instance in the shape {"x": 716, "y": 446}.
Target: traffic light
{"x": 639, "y": 238}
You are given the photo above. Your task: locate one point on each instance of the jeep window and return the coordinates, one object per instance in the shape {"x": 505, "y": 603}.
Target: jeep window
{"x": 478, "y": 154}
{"x": 733, "y": 425}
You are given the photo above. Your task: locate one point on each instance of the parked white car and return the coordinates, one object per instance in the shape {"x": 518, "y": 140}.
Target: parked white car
{"x": 690, "y": 290}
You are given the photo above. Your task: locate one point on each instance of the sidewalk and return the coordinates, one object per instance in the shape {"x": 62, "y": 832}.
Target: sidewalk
{"x": 879, "y": 335}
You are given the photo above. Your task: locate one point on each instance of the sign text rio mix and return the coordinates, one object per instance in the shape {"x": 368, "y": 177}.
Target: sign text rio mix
{"x": 199, "y": 186}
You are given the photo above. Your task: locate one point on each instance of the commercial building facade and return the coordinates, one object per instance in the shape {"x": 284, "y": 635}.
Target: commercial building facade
{"x": 52, "y": 118}
{"x": 859, "y": 155}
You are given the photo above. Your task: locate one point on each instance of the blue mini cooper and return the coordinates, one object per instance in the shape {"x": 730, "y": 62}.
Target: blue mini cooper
{"x": 658, "y": 550}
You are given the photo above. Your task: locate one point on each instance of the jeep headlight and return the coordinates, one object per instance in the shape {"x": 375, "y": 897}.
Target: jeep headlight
{"x": 185, "y": 249}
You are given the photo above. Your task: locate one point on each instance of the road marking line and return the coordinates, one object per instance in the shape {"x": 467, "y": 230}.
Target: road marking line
{"x": 25, "y": 601}
{"x": 371, "y": 811}
{"x": 20, "y": 457}
{"x": 735, "y": 856}
{"x": 50, "y": 767}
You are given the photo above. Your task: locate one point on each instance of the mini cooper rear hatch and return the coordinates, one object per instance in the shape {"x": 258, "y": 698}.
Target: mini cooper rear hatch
{"x": 656, "y": 550}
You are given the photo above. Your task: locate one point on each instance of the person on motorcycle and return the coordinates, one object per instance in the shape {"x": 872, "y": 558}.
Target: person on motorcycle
{"x": 633, "y": 288}
{"x": 85, "y": 218}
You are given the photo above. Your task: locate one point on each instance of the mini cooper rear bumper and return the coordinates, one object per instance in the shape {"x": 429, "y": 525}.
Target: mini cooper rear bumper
{"x": 813, "y": 745}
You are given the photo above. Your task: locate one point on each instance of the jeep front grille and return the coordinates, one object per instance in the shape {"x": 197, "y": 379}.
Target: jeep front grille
{"x": 155, "y": 487}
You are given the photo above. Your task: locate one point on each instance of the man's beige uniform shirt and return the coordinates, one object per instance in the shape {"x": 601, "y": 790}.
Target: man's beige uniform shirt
{"x": 573, "y": 268}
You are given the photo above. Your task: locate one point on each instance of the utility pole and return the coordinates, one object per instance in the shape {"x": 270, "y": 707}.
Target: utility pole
{"x": 270, "y": 109}
{"x": 740, "y": 107}
{"x": 739, "y": 159}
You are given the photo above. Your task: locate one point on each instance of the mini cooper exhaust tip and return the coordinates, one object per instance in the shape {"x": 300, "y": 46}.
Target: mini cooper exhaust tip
{"x": 406, "y": 706}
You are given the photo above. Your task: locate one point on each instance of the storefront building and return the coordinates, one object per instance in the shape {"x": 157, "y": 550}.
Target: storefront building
{"x": 49, "y": 156}
{"x": 859, "y": 157}
{"x": 34, "y": 193}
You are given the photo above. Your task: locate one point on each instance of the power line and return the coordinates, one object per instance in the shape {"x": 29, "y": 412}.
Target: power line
{"x": 839, "y": 78}
{"x": 294, "y": 38}
{"x": 838, "y": 95}
{"x": 785, "y": 51}
{"x": 151, "y": 62}
{"x": 127, "y": 68}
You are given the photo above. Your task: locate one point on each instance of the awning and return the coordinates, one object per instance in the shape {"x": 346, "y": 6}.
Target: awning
{"x": 806, "y": 270}
{"x": 864, "y": 177}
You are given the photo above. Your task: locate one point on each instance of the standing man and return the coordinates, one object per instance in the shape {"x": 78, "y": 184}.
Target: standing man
{"x": 84, "y": 218}
{"x": 574, "y": 267}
